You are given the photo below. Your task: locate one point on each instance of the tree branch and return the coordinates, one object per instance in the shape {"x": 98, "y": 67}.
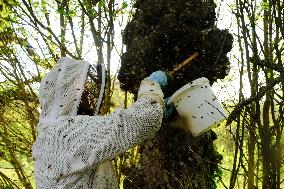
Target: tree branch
{"x": 262, "y": 91}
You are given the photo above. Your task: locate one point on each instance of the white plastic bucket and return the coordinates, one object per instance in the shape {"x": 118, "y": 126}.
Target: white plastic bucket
{"x": 198, "y": 106}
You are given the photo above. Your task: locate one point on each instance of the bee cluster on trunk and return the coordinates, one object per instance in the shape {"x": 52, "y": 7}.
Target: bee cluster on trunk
{"x": 162, "y": 34}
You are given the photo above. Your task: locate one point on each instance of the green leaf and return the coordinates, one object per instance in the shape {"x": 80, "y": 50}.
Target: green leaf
{"x": 94, "y": 13}
{"x": 124, "y": 5}
{"x": 9, "y": 187}
{"x": 101, "y": 4}
{"x": 218, "y": 172}
{"x": 72, "y": 13}
{"x": 36, "y": 4}
{"x": 60, "y": 10}
{"x": 264, "y": 6}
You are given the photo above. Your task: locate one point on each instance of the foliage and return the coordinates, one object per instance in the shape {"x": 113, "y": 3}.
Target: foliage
{"x": 214, "y": 178}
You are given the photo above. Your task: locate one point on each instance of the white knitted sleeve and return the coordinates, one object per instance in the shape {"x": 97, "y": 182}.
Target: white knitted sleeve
{"x": 99, "y": 138}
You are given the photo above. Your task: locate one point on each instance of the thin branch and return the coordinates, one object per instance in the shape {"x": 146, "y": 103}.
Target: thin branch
{"x": 9, "y": 180}
{"x": 258, "y": 96}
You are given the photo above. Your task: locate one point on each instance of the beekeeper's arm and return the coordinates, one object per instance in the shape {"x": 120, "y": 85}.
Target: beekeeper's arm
{"x": 101, "y": 138}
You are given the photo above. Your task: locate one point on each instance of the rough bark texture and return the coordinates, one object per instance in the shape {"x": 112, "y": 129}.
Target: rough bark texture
{"x": 162, "y": 34}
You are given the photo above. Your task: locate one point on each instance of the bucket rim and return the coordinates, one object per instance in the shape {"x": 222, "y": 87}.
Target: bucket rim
{"x": 191, "y": 84}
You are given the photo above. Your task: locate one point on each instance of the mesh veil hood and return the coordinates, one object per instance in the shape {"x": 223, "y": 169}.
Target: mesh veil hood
{"x": 61, "y": 89}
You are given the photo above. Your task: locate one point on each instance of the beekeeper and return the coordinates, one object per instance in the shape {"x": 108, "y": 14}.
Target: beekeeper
{"x": 74, "y": 151}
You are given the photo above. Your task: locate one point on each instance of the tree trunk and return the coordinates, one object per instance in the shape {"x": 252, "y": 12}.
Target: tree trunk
{"x": 174, "y": 159}
{"x": 162, "y": 34}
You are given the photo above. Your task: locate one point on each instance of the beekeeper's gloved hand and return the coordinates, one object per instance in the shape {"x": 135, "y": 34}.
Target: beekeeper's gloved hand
{"x": 159, "y": 77}
{"x": 169, "y": 108}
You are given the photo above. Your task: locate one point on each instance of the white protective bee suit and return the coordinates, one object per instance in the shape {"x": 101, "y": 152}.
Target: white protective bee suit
{"x": 73, "y": 151}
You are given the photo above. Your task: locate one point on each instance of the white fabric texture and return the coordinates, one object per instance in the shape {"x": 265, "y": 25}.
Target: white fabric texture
{"x": 73, "y": 151}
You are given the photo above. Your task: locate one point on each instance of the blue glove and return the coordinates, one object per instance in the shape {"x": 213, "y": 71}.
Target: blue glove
{"x": 169, "y": 108}
{"x": 159, "y": 77}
